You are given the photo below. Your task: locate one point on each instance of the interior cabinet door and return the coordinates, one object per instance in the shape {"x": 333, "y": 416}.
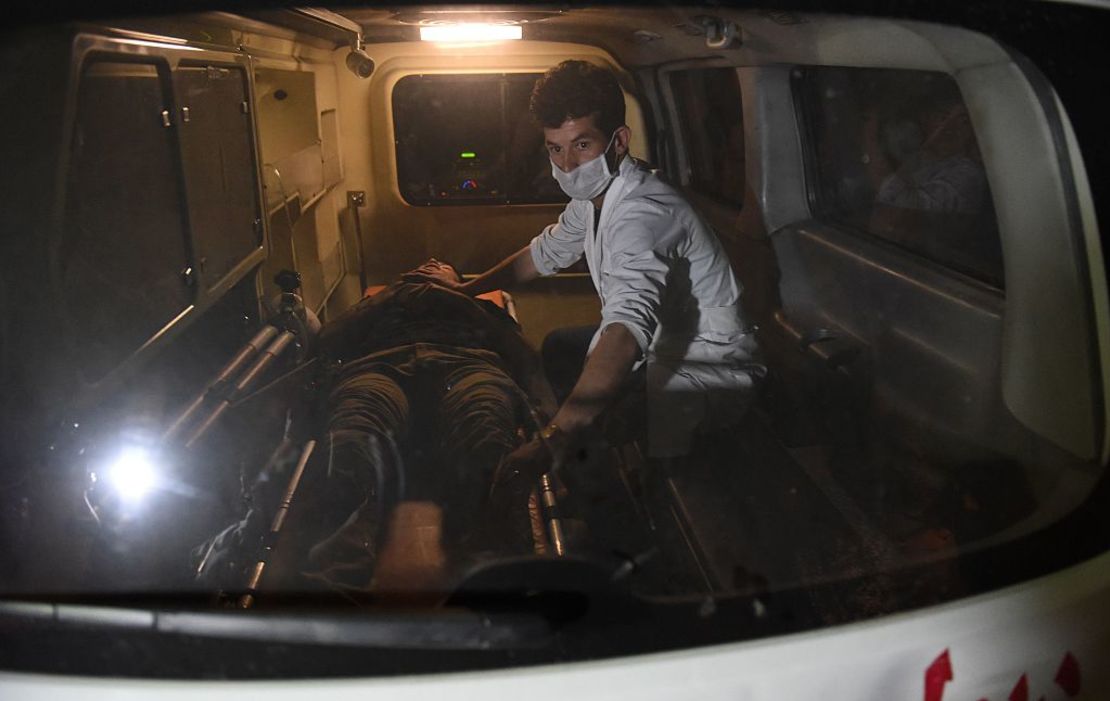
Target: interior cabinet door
{"x": 221, "y": 177}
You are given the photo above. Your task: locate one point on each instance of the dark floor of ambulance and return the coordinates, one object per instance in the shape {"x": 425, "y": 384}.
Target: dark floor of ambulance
{"x": 746, "y": 515}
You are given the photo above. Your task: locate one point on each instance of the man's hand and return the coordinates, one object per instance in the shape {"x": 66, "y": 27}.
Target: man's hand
{"x": 436, "y": 273}
{"x": 517, "y": 475}
{"x": 527, "y": 463}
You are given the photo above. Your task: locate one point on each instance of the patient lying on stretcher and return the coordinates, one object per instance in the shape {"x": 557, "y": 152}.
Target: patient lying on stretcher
{"x": 427, "y": 392}
{"x": 423, "y": 392}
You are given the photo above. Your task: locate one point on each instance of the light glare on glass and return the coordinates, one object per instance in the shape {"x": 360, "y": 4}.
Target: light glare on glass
{"x": 133, "y": 474}
{"x": 462, "y": 33}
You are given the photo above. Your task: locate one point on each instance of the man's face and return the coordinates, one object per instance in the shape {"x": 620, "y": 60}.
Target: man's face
{"x": 579, "y": 140}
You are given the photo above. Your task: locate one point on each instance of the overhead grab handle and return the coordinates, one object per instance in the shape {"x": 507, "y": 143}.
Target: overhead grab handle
{"x": 719, "y": 33}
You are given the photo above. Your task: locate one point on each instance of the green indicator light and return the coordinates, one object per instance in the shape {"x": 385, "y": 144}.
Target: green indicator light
{"x": 468, "y": 154}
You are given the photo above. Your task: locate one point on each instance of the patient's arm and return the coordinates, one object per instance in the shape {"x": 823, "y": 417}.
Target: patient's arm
{"x": 348, "y": 333}
{"x": 352, "y": 325}
{"x": 502, "y": 335}
{"x": 522, "y": 362}
{"x": 352, "y": 332}
{"x": 401, "y": 297}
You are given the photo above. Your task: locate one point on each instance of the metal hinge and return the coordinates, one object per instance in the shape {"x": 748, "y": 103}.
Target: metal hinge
{"x": 246, "y": 107}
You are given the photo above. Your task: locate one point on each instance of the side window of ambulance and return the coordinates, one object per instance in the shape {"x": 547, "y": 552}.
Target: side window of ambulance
{"x": 892, "y": 154}
{"x": 469, "y": 139}
{"x": 711, "y": 120}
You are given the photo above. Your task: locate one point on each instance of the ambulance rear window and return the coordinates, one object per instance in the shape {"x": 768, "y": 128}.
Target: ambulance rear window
{"x": 469, "y": 139}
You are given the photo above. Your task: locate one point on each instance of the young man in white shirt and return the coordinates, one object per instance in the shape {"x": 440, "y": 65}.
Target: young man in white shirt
{"x": 670, "y": 301}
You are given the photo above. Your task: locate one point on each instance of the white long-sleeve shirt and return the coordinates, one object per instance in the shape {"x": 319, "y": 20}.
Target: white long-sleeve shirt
{"x": 661, "y": 272}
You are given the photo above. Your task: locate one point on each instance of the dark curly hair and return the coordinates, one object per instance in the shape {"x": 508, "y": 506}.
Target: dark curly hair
{"x": 575, "y": 89}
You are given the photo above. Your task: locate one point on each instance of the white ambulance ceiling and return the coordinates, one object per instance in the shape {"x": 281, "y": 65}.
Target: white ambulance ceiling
{"x": 636, "y": 36}
{"x": 651, "y": 36}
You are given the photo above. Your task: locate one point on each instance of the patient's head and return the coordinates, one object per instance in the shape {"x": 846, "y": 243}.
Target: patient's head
{"x": 439, "y": 270}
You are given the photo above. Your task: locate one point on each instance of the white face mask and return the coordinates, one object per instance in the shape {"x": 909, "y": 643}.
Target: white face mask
{"x": 588, "y": 180}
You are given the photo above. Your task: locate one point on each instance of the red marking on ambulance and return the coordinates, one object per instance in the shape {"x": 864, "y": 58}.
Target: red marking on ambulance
{"x": 1021, "y": 690}
{"x": 937, "y": 675}
{"x": 1067, "y": 677}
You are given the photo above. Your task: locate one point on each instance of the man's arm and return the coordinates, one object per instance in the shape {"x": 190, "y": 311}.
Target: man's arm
{"x": 605, "y": 372}
{"x": 557, "y": 247}
{"x": 636, "y": 279}
{"x": 514, "y": 270}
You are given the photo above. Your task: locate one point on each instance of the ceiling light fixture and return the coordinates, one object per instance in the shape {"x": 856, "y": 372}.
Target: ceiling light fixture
{"x": 467, "y": 33}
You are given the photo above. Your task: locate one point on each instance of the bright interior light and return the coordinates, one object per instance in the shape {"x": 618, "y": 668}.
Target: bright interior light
{"x": 133, "y": 474}
{"x": 461, "y": 33}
